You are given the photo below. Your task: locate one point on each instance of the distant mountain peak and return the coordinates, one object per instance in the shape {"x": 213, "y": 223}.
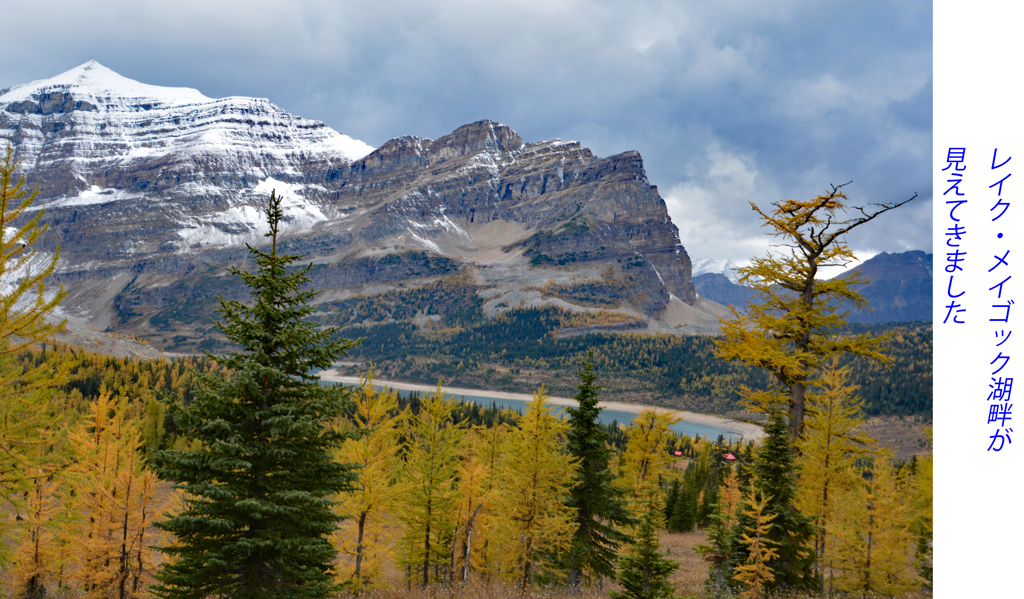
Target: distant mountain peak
{"x": 95, "y": 81}
{"x": 97, "y": 116}
{"x": 718, "y": 266}
{"x": 899, "y": 287}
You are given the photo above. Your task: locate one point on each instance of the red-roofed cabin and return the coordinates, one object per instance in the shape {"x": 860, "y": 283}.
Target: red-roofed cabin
{"x": 679, "y": 453}
{"x": 729, "y": 457}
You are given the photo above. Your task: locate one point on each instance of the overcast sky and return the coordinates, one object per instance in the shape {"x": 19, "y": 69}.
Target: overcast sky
{"x": 728, "y": 102}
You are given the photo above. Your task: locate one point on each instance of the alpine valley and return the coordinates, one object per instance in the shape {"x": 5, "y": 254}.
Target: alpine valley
{"x": 468, "y": 257}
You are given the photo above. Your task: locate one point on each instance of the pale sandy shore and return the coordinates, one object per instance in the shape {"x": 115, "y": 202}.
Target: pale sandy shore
{"x": 748, "y": 430}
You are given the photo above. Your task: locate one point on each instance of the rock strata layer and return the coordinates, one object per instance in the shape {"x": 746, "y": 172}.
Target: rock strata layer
{"x": 151, "y": 191}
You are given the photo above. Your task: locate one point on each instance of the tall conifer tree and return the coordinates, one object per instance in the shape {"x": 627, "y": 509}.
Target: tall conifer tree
{"x": 873, "y": 549}
{"x": 922, "y": 525}
{"x": 790, "y": 532}
{"x": 789, "y": 330}
{"x": 430, "y": 473}
{"x": 111, "y": 491}
{"x": 258, "y": 491}
{"x": 538, "y": 478}
{"x": 645, "y": 459}
{"x": 644, "y": 571}
{"x": 756, "y": 574}
{"x": 600, "y": 505}
{"x": 831, "y": 444}
{"x": 479, "y": 485}
{"x": 27, "y": 415}
{"x": 364, "y": 539}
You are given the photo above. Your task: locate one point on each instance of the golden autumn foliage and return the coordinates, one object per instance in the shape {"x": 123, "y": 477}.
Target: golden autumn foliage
{"x": 112, "y": 491}
{"x": 479, "y": 487}
{"x": 444, "y": 501}
{"x": 921, "y": 502}
{"x": 755, "y": 573}
{"x": 39, "y": 555}
{"x": 730, "y": 497}
{"x": 831, "y": 444}
{"x": 536, "y": 478}
{"x": 429, "y": 476}
{"x": 26, "y": 413}
{"x": 790, "y": 329}
{"x": 646, "y": 459}
{"x": 873, "y": 552}
{"x": 363, "y": 539}
{"x": 25, "y": 305}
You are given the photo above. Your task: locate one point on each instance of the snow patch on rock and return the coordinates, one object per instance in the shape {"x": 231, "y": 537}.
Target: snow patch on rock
{"x": 93, "y": 195}
{"x": 716, "y": 266}
{"x": 113, "y": 118}
{"x": 247, "y": 224}
{"x": 24, "y": 266}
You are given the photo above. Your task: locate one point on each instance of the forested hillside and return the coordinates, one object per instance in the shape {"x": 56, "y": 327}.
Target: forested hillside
{"x": 442, "y": 331}
{"x": 523, "y": 346}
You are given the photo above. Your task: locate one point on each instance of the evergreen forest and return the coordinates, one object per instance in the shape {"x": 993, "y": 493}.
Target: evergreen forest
{"x": 522, "y": 346}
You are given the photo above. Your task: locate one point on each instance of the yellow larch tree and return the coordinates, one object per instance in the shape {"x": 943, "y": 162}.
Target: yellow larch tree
{"x": 538, "y": 476}
{"x": 112, "y": 492}
{"x": 38, "y": 559}
{"x": 730, "y": 497}
{"x": 25, "y": 388}
{"x": 479, "y": 482}
{"x": 873, "y": 550}
{"x": 831, "y": 444}
{"x": 755, "y": 573}
{"x": 646, "y": 458}
{"x": 922, "y": 525}
{"x": 429, "y": 477}
{"x": 24, "y": 305}
{"x": 722, "y": 534}
{"x": 790, "y": 329}
{"x": 364, "y": 537}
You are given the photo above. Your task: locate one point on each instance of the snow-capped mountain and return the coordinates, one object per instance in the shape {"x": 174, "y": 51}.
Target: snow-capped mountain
{"x": 719, "y": 266}
{"x": 153, "y": 190}
{"x": 90, "y": 136}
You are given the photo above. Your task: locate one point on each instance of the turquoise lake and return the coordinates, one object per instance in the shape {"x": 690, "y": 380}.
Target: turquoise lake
{"x": 607, "y": 416}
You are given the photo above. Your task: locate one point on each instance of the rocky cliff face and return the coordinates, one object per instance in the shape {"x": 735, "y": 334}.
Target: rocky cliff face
{"x": 899, "y": 288}
{"x": 150, "y": 188}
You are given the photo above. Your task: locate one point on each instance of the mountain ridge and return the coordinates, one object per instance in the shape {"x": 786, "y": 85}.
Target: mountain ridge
{"x": 898, "y": 288}
{"x": 150, "y": 194}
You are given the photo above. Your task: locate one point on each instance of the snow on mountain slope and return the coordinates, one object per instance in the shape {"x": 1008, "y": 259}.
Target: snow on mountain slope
{"x": 720, "y": 266}
{"x": 246, "y": 224}
{"x": 105, "y": 88}
{"x": 90, "y": 117}
{"x": 24, "y": 265}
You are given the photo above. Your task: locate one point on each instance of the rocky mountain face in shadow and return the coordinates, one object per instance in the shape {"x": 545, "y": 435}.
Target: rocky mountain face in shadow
{"x": 152, "y": 192}
{"x": 718, "y": 288}
{"x": 898, "y": 288}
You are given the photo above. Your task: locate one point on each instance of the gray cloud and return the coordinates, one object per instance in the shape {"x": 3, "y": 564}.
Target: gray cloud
{"x": 728, "y": 102}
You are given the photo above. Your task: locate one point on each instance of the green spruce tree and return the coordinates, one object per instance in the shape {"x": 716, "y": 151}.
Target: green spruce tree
{"x": 684, "y": 511}
{"x": 257, "y": 513}
{"x": 644, "y": 571}
{"x": 790, "y": 532}
{"x": 720, "y": 552}
{"x": 670, "y": 503}
{"x": 600, "y": 504}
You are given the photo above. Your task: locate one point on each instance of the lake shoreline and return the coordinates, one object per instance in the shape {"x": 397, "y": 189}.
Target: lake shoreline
{"x": 748, "y": 430}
